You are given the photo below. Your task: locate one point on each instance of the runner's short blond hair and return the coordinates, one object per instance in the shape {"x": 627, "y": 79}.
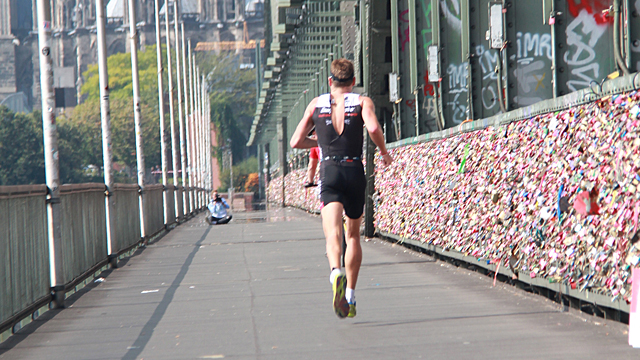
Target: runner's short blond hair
{"x": 342, "y": 72}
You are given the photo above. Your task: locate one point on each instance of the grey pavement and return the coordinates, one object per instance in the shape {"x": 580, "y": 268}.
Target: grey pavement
{"x": 258, "y": 288}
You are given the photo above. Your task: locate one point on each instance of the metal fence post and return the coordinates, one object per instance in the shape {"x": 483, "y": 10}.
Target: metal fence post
{"x": 137, "y": 114}
{"x": 50, "y": 135}
{"x": 112, "y": 244}
{"x": 181, "y": 70}
{"x": 282, "y": 154}
{"x": 163, "y": 152}
{"x": 189, "y": 123}
{"x": 174, "y": 147}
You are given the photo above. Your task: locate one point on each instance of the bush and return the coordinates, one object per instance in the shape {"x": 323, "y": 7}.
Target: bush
{"x": 241, "y": 174}
{"x": 252, "y": 184}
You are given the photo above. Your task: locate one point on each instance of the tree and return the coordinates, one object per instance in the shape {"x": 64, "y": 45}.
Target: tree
{"x": 22, "y": 154}
{"x": 232, "y": 95}
{"x": 241, "y": 174}
{"x": 21, "y": 144}
{"x": 87, "y": 115}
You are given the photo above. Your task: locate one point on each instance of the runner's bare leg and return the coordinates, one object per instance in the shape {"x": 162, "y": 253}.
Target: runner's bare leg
{"x": 332, "y": 225}
{"x": 353, "y": 257}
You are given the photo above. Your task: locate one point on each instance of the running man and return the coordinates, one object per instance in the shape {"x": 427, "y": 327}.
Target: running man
{"x": 338, "y": 118}
{"x": 314, "y": 158}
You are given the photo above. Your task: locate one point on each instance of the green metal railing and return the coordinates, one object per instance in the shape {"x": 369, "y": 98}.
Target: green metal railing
{"x": 24, "y": 249}
{"x": 83, "y": 224}
{"x": 24, "y": 254}
{"x": 126, "y": 223}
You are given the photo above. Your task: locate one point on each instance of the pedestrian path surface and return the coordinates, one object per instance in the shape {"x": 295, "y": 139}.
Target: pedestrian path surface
{"x": 258, "y": 288}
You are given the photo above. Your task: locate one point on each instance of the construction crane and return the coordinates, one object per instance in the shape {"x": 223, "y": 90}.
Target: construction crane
{"x": 245, "y": 44}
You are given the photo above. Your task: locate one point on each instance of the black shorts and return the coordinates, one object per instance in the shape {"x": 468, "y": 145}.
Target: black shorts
{"x": 343, "y": 182}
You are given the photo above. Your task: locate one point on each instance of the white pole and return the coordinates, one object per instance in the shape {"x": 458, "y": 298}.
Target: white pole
{"x": 204, "y": 139}
{"x": 190, "y": 139}
{"x": 174, "y": 147}
{"x": 163, "y": 140}
{"x": 183, "y": 149}
{"x": 207, "y": 119}
{"x": 199, "y": 131}
{"x": 205, "y": 181}
{"x": 187, "y": 127}
{"x": 137, "y": 115}
{"x": 210, "y": 140}
{"x": 50, "y": 137}
{"x": 105, "y": 116}
{"x": 192, "y": 131}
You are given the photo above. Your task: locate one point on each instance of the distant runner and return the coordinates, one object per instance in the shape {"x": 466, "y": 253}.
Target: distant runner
{"x": 314, "y": 158}
{"x": 338, "y": 118}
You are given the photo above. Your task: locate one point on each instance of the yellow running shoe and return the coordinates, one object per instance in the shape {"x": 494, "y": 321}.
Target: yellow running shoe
{"x": 340, "y": 304}
{"x": 352, "y": 310}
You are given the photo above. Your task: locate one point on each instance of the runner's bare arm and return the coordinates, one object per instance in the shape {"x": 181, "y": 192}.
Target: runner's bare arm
{"x": 300, "y": 140}
{"x": 373, "y": 127}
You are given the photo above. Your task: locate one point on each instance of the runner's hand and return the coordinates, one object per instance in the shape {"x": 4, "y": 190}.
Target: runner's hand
{"x": 386, "y": 160}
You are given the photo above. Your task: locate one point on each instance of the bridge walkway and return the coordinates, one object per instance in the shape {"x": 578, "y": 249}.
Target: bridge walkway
{"x": 258, "y": 288}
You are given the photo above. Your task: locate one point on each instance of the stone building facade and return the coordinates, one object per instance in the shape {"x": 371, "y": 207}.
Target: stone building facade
{"x": 74, "y": 38}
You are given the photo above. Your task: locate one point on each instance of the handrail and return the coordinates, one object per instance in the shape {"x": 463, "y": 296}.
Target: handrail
{"x": 80, "y": 188}
{"x": 14, "y": 191}
{"x": 154, "y": 187}
{"x": 125, "y": 187}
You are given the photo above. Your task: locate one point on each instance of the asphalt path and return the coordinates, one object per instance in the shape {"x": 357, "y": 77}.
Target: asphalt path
{"x": 258, "y": 288}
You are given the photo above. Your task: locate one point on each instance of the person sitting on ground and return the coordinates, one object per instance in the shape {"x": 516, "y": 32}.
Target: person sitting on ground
{"x": 218, "y": 208}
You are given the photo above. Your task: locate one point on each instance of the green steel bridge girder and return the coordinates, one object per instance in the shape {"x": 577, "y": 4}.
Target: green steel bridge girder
{"x": 280, "y": 46}
{"x": 310, "y": 70}
{"x": 290, "y": 3}
{"x": 273, "y": 61}
{"x": 312, "y": 42}
{"x": 283, "y": 28}
{"x": 330, "y": 13}
{"x": 308, "y": 57}
{"x": 298, "y": 3}
{"x": 327, "y": 46}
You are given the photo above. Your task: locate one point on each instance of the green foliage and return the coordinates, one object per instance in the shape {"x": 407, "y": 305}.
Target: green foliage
{"x": 240, "y": 174}
{"x": 123, "y": 144}
{"x": 22, "y": 155}
{"x": 21, "y": 144}
{"x": 232, "y": 95}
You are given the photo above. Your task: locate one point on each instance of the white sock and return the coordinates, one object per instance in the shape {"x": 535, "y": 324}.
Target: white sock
{"x": 335, "y": 272}
{"x": 351, "y": 296}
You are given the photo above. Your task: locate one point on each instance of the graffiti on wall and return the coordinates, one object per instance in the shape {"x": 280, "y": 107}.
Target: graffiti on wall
{"x": 456, "y": 73}
{"x": 458, "y": 92}
{"x": 487, "y": 61}
{"x": 451, "y": 12}
{"x": 584, "y": 33}
{"x": 584, "y": 56}
{"x": 424, "y": 34}
{"x": 533, "y": 56}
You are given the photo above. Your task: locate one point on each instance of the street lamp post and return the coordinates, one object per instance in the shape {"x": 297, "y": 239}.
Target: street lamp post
{"x": 230, "y": 153}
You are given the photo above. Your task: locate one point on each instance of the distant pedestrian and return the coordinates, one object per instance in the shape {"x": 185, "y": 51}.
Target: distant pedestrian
{"x": 218, "y": 207}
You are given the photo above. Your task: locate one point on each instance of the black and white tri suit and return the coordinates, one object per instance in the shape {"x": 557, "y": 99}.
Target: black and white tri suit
{"x": 341, "y": 171}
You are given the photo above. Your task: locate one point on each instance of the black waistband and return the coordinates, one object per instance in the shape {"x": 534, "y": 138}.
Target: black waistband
{"x": 342, "y": 158}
